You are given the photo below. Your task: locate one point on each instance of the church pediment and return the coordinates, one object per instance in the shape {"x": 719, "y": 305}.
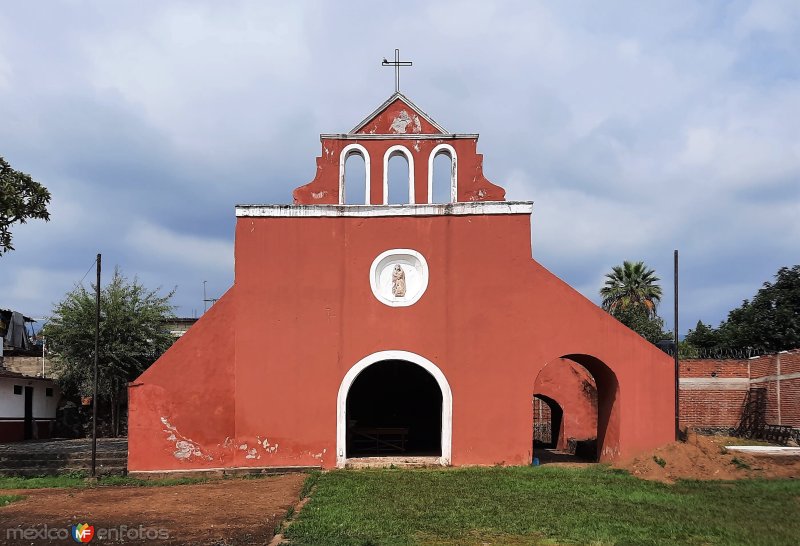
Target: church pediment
{"x": 398, "y": 116}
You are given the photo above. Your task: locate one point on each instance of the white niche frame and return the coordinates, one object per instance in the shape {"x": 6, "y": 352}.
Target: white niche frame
{"x": 399, "y": 255}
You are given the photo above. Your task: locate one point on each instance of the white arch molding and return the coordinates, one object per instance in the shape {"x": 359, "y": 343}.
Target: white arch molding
{"x": 391, "y": 152}
{"x": 353, "y": 149}
{"x": 447, "y": 150}
{"x": 364, "y": 363}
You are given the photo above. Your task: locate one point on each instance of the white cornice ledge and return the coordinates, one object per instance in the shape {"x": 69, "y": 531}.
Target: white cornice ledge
{"x": 363, "y": 211}
{"x": 399, "y": 136}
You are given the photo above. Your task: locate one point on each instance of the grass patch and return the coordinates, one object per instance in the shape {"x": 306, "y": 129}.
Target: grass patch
{"x": 736, "y": 441}
{"x": 309, "y": 483}
{"x": 740, "y": 464}
{"x": 14, "y": 482}
{"x": 659, "y": 461}
{"x": 78, "y": 479}
{"x": 73, "y": 481}
{"x": 5, "y": 500}
{"x": 541, "y": 505}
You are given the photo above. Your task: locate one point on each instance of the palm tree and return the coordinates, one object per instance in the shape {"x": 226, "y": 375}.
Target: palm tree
{"x": 631, "y": 285}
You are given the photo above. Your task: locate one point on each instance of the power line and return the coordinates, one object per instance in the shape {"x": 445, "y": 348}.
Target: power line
{"x": 80, "y": 282}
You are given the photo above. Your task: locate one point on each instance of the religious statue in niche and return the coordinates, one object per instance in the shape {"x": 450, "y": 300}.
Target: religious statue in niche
{"x": 398, "y": 282}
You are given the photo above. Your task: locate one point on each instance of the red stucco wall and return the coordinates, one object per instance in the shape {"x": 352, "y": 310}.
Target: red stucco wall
{"x": 184, "y": 403}
{"x": 472, "y": 184}
{"x": 255, "y": 381}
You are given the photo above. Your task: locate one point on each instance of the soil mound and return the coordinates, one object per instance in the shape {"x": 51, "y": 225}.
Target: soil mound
{"x": 706, "y": 458}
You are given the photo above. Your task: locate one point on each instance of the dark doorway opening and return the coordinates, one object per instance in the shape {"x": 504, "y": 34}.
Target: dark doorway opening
{"x": 394, "y": 408}
{"x": 547, "y": 418}
{"x": 28, "y": 413}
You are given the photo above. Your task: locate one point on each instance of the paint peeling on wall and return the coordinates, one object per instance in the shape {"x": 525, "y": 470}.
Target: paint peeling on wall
{"x": 609, "y": 453}
{"x": 319, "y": 455}
{"x": 252, "y": 453}
{"x": 185, "y": 448}
{"x": 266, "y": 445}
{"x": 400, "y": 123}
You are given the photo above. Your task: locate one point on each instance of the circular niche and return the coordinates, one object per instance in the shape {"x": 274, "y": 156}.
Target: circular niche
{"x": 399, "y": 277}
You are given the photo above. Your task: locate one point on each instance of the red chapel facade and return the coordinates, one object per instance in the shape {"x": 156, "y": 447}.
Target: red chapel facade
{"x": 373, "y": 329}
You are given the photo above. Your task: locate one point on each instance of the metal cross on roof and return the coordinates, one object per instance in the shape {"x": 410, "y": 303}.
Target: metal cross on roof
{"x": 397, "y": 63}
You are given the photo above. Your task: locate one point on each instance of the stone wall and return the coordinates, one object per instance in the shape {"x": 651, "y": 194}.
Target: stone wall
{"x": 28, "y": 365}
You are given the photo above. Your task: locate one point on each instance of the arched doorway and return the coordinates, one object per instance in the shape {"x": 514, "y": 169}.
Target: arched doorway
{"x": 587, "y": 391}
{"x": 394, "y": 403}
{"x": 547, "y": 420}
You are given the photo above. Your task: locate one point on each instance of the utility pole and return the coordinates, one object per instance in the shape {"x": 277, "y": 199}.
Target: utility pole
{"x": 677, "y": 362}
{"x": 94, "y": 382}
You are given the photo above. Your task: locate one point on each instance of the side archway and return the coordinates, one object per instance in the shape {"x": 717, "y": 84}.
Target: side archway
{"x": 364, "y": 363}
{"x": 606, "y": 394}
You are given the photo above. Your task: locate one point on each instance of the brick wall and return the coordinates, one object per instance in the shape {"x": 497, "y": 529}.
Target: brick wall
{"x": 789, "y": 363}
{"x": 712, "y": 392}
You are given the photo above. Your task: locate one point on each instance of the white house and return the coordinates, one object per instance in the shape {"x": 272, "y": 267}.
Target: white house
{"x": 27, "y": 406}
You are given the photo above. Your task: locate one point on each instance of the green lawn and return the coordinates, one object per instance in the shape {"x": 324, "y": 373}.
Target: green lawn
{"x": 542, "y": 505}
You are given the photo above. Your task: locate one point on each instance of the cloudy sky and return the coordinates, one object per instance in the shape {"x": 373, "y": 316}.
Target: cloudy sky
{"x": 635, "y": 127}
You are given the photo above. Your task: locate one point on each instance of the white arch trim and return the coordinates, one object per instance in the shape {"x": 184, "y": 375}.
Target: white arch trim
{"x": 393, "y": 151}
{"x": 349, "y": 150}
{"x": 350, "y": 377}
{"x": 449, "y": 150}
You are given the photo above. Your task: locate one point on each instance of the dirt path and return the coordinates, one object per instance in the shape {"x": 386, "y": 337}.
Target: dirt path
{"x": 230, "y": 512}
{"x": 706, "y": 458}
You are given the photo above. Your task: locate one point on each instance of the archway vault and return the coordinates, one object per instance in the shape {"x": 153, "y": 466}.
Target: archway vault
{"x": 608, "y": 401}
{"x": 364, "y": 363}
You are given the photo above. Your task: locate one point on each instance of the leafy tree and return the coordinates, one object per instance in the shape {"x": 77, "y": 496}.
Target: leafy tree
{"x": 21, "y": 199}
{"x": 639, "y": 319}
{"x": 771, "y": 321}
{"x": 687, "y": 350}
{"x": 767, "y": 323}
{"x": 632, "y": 284}
{"x": 132, "y": 336}
{"x": 703, "y": 337}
